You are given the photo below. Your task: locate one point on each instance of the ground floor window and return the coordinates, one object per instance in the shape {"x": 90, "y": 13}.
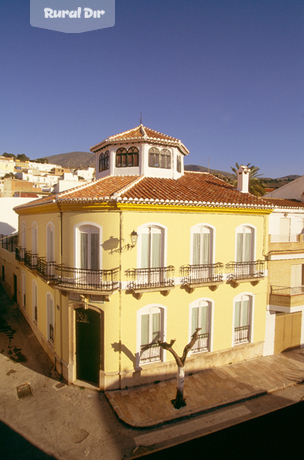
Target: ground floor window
{"x": 201, "y": 317}
{"x": 35, "y": 301}
{"x": 151, "y": 330}
{"x": 50, "y": 318}
{"x": 242, "y": 319}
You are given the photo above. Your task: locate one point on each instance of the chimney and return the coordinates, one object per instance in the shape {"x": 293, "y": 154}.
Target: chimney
{"x": 243, "y": 179}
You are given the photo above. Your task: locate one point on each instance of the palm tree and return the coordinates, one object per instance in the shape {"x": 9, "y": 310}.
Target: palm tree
{"x": 256, "y": 184}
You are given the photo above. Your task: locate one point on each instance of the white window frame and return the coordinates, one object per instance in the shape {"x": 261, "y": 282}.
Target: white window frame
{"x": 50, "y": 316}
{"x": 34, "y": 238}
{"x": 23, "y": 289}
{"x": 198, "y": 228}
{"x": 242, "y": 229}
{"x": 34, "y": 300}
{"x": 148, "y": 309}
{"x": 195, "y": 304}
{"x": 240, "y": 298}
{"x": 77, "y": 232}
{"x": 141, "y": 230}
{"x": 50, "y": 248}
{"x": 23, "y": 235}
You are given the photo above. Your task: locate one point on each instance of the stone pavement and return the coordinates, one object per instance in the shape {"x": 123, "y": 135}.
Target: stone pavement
{"x": 150, "y": 405}
{"x": 72, "y": 422}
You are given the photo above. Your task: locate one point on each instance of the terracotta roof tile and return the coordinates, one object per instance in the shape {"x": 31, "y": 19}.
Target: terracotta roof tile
{"x": 282, "y": 202}
{"x": 202, "y": 188}
{"x": 139, "y": 134}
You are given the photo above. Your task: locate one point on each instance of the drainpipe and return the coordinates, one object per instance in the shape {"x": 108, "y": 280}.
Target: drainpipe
{"x": 120, "y": 293}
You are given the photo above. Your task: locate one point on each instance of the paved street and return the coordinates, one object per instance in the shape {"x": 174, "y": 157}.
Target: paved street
{"x": 70, "y": 422}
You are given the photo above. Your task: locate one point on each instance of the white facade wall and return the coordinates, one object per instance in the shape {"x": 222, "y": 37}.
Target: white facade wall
{"x": 9, "y": 218}
{"x": 293, "y": 191}
{"x": 296, "y": 217}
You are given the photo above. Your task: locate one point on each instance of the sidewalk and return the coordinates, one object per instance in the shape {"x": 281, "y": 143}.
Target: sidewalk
{"x": 22, "y": 360}
{"x": 150, "y": 405}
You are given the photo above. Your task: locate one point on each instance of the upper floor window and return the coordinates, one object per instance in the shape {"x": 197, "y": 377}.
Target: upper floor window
{"x": 104, "y": 161}
{"x": 285, "y": 225}
{"x": 121, "y": 158}
{"x": 151, "y": 247}
{"x": 50, "y": 242}
{"x": 23, "y": 235}
{"x": 178, "y": 164}
{"x": 159, "y": 158}
{"x": 242, "y": 318}
{"x": 245, "y": 236}
{"x": 89, "y": 247}
{"x": 127, "y": 158}
{"x": 202, "y": 245}
{"x": 34, "y": 238}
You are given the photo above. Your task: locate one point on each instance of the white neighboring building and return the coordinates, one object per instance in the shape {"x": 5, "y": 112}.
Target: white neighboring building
{"x": 292, "y": 191}
{"x": 87, "y": 174}
{"x": 42, "y": 167}
{"x": 285, "y": 309}
{"x": 9, "y": 219}
{"x": 7, "y": 165}
{"x": 46, "y": 180}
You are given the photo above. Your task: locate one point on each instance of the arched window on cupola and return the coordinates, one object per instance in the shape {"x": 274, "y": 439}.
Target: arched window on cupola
{"x": 159, "y": 159}
{"x": 104, "y": 161}
{"x": 133, "y": 156}
{"x": 121, "y": 158}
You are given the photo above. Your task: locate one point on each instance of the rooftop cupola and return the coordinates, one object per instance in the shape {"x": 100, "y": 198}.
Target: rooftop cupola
{"x": 243, "y": 179}
{"x": 140, "y": 151}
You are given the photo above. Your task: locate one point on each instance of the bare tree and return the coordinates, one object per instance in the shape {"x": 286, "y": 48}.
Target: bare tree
{"x": 180, "y": 401}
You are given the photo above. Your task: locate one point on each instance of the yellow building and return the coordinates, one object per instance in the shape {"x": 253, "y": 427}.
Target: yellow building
{"x": 148, "y": 251}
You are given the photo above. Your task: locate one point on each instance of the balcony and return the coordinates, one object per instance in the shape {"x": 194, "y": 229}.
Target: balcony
{"x": 100, "y": 282}
{"x": 30, "y": 260}
{"x": 150, "y": 353}
{"x": 150, "y": 279}
{"x": 241, "y": 334}
{"x": 282, "y": 243}
{"x": 19, "y": 253}
{"x": 241, "y": 272}
{"x": 9, "y": 242}
{"x": 202, "y": 343}
{"x": 286, "y": 298}
{"x": 46, "y": 269}
{"x": 194, "y": 276}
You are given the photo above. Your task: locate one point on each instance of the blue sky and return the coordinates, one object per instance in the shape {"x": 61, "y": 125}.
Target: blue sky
{"x": 224, "y": 76}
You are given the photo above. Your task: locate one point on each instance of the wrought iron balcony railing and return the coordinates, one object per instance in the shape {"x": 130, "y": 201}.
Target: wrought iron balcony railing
{"x": 246, "y": 270}
{"x": 156, "y": 278}
{"x": 202, "y": 343}
{"x": 86, "y": 280}
{"x": 9, "y": 242}
{"x": 46, "y": 269}
{"x": 150, "y": 353}
{"x": 19, "y": 253}
{"x": 241, "y": 334}
{"x": 201, "y": 274}
{"x": 30, "y": 260}
{"x": 51, "y": 333}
